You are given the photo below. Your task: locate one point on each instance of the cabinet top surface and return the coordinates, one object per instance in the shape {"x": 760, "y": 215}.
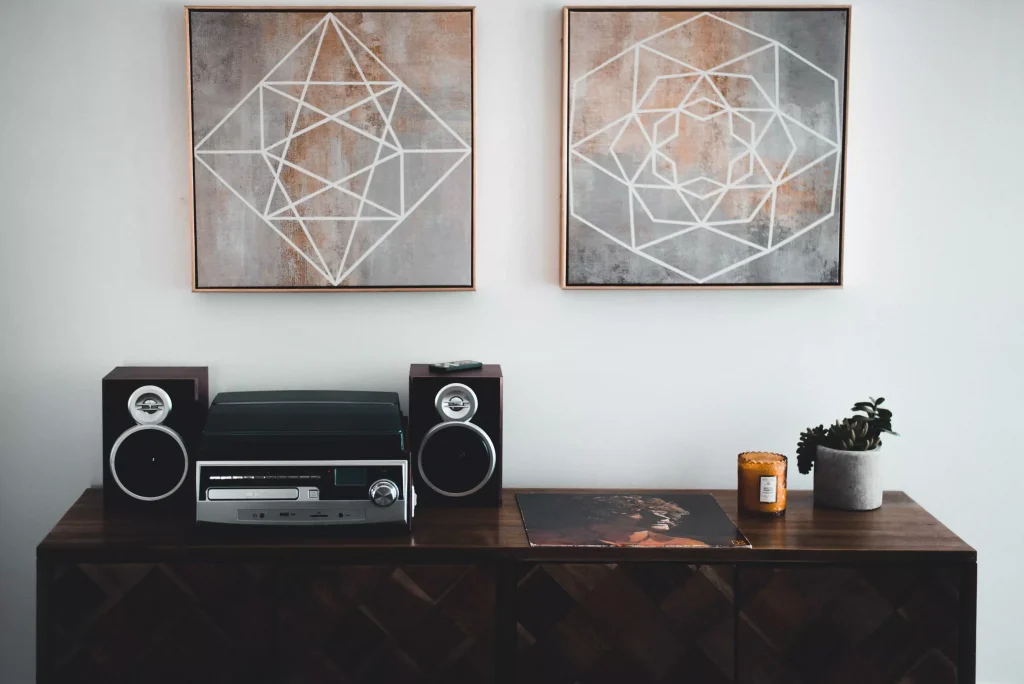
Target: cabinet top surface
{"x": 900, "y": 531}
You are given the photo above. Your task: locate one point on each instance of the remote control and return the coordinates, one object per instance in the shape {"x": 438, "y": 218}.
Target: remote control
{"x": 452, "y": 366}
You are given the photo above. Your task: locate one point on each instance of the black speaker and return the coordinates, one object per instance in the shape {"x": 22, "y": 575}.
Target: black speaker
{"x": 455, "y": 433}
{"x": 152, "y": 420}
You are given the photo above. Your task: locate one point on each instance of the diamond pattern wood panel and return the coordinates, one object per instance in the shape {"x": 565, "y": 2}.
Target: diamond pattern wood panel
{"x": 409, "y": 623}
{"x": 586, "y": 622}
{"x": 157, "y": 623}
{"x": 863, "y": 625}
{"x": 628, "y": 622}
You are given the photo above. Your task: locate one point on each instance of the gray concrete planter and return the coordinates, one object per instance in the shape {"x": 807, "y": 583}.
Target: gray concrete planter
{"x": 848, "y": 480}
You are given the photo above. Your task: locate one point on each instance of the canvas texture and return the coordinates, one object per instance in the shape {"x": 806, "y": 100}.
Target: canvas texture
{"x": 705, "y": 148}
{"x": 332, "y": 149}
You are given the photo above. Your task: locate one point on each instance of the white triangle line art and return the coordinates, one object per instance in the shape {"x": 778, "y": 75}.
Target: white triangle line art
{"x": 405, "y": 87}
{"x": 696, "y": 70}
{"x": 298, "y": 108}
{"x": 276, "y": 66}
{"x": 406, "y": 214}
{"x": 666, "y": 77}
{"x": 332, "y": 184}
{"x": 272, "y": 226}
{"x": 634, "y": 250}
{"x": 327, "y": 117}
{"x": 748, "y": 243}
{"x": 275, "y": 152}
{"x": 600, "y": 168}
{"x": 603, "y": 129}
{"x": 807, "y": 128}
{"x": 760, "y": 89}
{"x": 302, "y": 223}
{"x": 718, "y": 68}
{"x": 626, "y": 51}
{"x": 731, "y": 68}
{"x": 369, "y": 180}
{"x": 351, "y": 55}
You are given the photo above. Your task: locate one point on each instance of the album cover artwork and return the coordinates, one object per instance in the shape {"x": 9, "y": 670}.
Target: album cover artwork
{"x": 627, "y": 519}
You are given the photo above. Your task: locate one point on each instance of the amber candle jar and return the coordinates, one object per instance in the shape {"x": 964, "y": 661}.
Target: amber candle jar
{"x": 761, "y": 483}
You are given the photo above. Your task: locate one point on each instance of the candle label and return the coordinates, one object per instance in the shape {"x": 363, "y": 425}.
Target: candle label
{"x": 769, "y": 489}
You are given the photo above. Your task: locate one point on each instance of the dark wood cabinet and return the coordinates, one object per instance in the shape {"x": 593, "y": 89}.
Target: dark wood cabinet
{"x": 635, "y": 622}
{"x": 412, "y": 622}
{"x": 849, "y": 624}
{"x": 823, "y": 597}
{"x": 152, "y": 622}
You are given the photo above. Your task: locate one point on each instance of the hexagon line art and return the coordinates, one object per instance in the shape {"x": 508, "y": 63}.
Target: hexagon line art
{"x": 707, "y": 147}
{"x": 347, "y": 105}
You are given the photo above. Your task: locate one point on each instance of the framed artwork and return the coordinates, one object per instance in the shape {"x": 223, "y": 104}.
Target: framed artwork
{"x": 332, "y": 149}
{"x": 703, "y": 147}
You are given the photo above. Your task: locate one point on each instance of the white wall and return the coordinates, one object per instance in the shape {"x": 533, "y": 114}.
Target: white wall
{"x": 609, "y": 389}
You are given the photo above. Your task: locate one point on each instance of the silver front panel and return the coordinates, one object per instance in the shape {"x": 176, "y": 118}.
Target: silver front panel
{"x": 232, "y": 505}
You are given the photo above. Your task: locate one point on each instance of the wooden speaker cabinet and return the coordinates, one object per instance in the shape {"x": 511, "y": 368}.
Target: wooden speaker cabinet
{"x": 455, "y": 434}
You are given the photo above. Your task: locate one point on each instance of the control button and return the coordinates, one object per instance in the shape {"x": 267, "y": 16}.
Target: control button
{"x": 383, "y": 493}
{"x": 314, "y": 493}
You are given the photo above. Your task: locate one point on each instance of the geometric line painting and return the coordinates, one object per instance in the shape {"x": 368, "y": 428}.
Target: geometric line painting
{"x": 335, "y": 156}
{"x": 705, "y": 153}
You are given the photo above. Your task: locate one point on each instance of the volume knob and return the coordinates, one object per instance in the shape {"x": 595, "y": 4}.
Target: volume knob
{"x": 383, "y": 493}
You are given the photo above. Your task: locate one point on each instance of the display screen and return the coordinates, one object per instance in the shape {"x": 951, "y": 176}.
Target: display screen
{"x": 350, "y": 477}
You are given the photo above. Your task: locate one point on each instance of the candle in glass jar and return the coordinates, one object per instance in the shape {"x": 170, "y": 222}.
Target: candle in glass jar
{"x": 762, "y": 483}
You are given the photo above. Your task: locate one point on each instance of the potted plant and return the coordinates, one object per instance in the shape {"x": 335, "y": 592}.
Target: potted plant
{"x": 845, "y": 458}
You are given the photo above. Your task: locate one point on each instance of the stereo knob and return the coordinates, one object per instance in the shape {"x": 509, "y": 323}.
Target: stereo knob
{"x": 383, "y": 493}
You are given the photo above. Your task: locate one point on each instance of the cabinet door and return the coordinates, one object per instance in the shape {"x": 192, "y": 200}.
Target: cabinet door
{"x": 628, "y": 622}
{"x": 848, "y": 625}
{"x": 386, "y": 623}
{"x": 154, "y": 623}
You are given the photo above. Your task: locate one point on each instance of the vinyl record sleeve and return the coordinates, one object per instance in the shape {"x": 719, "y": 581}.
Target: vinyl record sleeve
{"x": 650, "y": 519}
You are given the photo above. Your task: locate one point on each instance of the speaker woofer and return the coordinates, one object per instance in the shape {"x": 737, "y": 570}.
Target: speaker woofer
{"x": 149, "y": 462}
{"x": 456, "y": 458}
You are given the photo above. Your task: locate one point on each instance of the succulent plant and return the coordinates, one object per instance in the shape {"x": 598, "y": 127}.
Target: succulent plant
{"x": 860, "y": 432}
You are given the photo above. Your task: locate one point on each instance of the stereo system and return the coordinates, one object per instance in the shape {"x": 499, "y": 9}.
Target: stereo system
{"x": 152, "y": 420}
{"x": 455, "y": 430}
{"x": 301, "y": 458}
{"x": 304, "y": 458}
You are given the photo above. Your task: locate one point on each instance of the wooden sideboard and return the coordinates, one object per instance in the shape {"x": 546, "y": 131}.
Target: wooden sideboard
{"x": 823, "y": 597}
